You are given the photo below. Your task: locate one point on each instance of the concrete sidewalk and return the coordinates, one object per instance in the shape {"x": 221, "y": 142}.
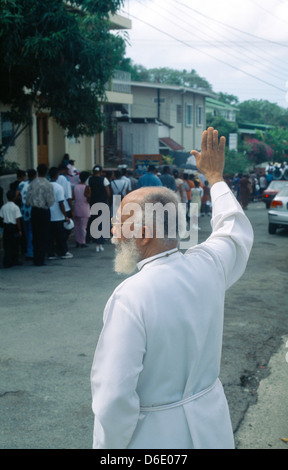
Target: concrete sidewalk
{"x": 266, "y": 422}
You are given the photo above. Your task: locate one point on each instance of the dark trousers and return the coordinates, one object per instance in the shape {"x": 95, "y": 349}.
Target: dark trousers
{"x": 57, "y": 242}
{"x": 40, "y": 219}
{"x": 67, "y": 233}
{"x": 98, "y": 241}
{"x": 10, "y": 245}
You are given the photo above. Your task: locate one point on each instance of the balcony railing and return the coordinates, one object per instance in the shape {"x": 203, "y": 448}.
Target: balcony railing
{"x": 120, "y": 83}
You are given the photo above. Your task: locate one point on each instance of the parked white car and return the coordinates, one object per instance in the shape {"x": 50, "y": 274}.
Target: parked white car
{"x": 278, "y": 212}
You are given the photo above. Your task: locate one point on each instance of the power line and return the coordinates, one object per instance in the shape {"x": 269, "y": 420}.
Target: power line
{"x": 253, "y": 60}
{"x": 256, "y": 54}
{"x": 232, "y": 27}
{"x": 269, "y": 12}
{"x": 207, "y": 54}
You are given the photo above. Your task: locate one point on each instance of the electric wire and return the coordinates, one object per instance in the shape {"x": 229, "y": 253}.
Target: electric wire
{"x": 262, "y": 41}
{"x": 207, "y": 53}
{"x": 251, "y": 60}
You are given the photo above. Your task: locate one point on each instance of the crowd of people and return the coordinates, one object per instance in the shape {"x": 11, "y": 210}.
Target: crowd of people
{"x": 248, "y": 187}
{"x": 43, "y": 207}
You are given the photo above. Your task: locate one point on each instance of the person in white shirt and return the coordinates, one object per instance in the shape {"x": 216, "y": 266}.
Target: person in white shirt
{"x": 63, "y": 180}
{"x": 155, "y": 375}
{"x": 12, "y": 232}
{"x": 58, "y": 215}
{"x": 119, "y": 186}
{"x": 124, "y": 177}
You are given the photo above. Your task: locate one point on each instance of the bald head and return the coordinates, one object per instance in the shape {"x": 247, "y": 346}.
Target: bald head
{"x": 151, "y": 221}
{"x": 157, "y": 209}
{"x": 149, "y": 194}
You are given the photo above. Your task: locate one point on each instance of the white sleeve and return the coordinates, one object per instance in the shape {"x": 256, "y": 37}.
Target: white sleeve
{"x": 60, "y": 197}
{"x": 18, "y": 214}
{"x": 69, "y": 190}
{"x": 114, "y": 376}
{"x": 232, "y": 235}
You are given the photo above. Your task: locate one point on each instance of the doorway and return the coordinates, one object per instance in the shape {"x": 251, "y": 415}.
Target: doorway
{"x": 42, "y": 139}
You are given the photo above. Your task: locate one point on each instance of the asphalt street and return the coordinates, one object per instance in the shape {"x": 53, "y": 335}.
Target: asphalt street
{"x": 51, "y": 318}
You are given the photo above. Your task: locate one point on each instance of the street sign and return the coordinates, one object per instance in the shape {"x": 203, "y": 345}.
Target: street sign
{"x": 142, "y": 162}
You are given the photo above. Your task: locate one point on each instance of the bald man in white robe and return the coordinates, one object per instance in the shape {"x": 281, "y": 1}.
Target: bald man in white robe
{"x": 155, "y": 374}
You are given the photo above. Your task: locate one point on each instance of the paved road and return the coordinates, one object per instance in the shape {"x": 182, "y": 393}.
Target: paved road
{"x": 51, "y": 318}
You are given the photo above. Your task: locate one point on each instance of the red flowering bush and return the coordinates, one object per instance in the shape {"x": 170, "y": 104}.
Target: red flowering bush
{"x": 258, "y": 152}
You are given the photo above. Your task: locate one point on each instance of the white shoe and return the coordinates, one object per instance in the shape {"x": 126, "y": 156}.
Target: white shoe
{"x": 97, "y": 249}
{"x": 67, "y": 255}
{"x": 101, "y": 248}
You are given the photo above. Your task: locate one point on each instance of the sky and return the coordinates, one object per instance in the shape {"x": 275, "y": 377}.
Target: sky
{"x": 239, "y": 46}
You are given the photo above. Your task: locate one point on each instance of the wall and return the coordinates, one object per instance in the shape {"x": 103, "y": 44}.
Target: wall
{"x": 189, "y": 136}
{"x": 139, "y": 139}
{"x": 19, "y": 152}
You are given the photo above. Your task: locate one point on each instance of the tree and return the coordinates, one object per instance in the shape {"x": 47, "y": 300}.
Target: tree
{"x": 262, "y": 112}
{"x": 223, "y": 126}
{"x": 235, "y": 162}
{"x": 165, "y": 75}
{"x": 258, "y": 152}
{"x": 58, "y": 57}
{"x": 277, "y": 139}
{"x": 228, "y": 99}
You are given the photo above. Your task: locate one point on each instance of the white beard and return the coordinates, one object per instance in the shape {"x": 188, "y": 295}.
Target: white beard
{"x": 127, "y": 256}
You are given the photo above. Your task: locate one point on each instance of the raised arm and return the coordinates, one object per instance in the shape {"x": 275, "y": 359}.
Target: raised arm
{"x": 232, "y": 235}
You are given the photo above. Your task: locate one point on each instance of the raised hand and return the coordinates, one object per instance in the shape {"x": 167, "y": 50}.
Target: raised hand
{"x": 210, "y": 162}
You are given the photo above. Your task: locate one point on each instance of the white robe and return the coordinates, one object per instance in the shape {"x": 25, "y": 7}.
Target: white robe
{"x": 161, "y": 344}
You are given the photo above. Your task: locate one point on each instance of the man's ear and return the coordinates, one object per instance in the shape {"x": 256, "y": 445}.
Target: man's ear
{"x": 146, "y": 235}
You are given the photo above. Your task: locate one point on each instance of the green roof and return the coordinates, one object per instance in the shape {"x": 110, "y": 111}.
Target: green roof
{"x": 254, "y": 125}
{"x": 219, "y": 104}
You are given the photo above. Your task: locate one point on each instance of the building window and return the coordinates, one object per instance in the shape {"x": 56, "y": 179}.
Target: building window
{"x": 179, "y": 112}
{"x": 189, "y": 115}
{"x": 7, "y": 129}
{"x": 199, "y": 116}
{"x": 159, "y": 100}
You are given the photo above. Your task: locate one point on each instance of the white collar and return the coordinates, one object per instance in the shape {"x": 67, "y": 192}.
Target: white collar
{"x": 163, "y": 254}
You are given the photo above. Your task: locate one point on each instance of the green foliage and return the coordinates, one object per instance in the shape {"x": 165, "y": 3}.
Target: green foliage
{"x": 165, "y": 75}
{"x": 258, "y": 152}
{"x": 228, "y": 99}
{"x": 262, "y": 112}
{"x": 277, "y": 139}
{"x": 223, "y": 126}
{"x": 58, "y": 58}
{"x": 7, "y": 168}
{"x": 167, "y": 159}
{"x": 235, "y": 162}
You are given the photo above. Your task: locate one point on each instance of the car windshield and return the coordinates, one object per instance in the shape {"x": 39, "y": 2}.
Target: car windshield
{"x": 277, "y": 184}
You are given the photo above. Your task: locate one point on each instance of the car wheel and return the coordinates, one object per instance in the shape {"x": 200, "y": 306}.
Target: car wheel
{"x": 272, "y": 228}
